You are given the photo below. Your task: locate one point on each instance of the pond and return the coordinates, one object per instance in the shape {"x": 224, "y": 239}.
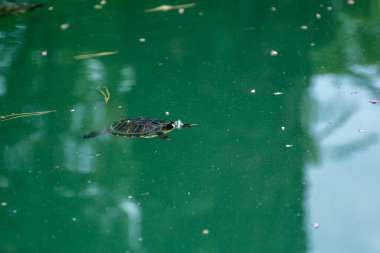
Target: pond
{"x": 284, "y": 157}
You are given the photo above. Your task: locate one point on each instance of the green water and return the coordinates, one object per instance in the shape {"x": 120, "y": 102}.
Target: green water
{"x": 286, "y": 141}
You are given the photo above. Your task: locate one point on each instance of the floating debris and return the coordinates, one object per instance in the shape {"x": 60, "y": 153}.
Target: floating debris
{"x": 278, "y": 93}
{"x": 22, "y": 115}
{"x": 181, "y": 11}
{"x": 373, "y": 101}
{"x": 72, "y": 110}
{"x": 273, "y": 52}
{"x": 94, "y": 156}
{"x": 205, "y": 231}
{"x": 50, "y": 8}
{"x": 44, "y": 53}
{"x": 106, "y": 94}
{"x": 167, "y": 113}
{"x": 350, "y": 2}
{"x": 273, "y": 9}
{"x": 64, "y": 26}
{"x": 13, "y": 8}
{"x": 318, "y": 16}
{"x": 304, "y": 27}
{"x": 142, "y": 40}
{"x": 329, "y": 8}
{"x": 253, "y": 91}
{"x": 362, "y": 130}
{"x": 87, "y": 56}
{"x": 315, "y": 225}
{"x": 100, "y": 5}
{"x": 288, "y": 146}
{"x": 282, "y": 128}
{"x": 3, "y": 203}
{"x": 170, "y": 7}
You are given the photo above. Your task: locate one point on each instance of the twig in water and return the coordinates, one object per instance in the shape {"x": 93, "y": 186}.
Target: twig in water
{"x": 106, "y": 94}
{"x": 23, "y": 114}
{"x": 170, "y": 7}
{"x": 87, "y": 56}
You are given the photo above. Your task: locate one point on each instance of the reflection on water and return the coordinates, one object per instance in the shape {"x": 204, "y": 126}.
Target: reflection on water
{"x": 239, "y": 175}
{"x": 8, "y": 47}
{"x": 345, "y": 126}
{"x": 344, "y": 123}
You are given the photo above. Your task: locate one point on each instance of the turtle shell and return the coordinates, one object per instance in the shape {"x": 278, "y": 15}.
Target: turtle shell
{"x": 140, "y": 127}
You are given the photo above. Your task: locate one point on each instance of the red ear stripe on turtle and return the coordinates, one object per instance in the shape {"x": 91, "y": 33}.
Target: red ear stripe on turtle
{"x": 93, "y": 134}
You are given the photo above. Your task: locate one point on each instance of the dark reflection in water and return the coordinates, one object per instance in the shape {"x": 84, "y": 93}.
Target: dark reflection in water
{"x": 235, "y": 183}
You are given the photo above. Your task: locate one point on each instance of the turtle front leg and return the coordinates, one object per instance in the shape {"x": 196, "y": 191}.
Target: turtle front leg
{"x": 163, "y": 136}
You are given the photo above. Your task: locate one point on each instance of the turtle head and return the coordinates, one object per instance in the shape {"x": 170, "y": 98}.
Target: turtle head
{"x": 180, "y": 124}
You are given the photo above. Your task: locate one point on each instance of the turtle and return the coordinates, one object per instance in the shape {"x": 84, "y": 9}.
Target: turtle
{"x": 140, "y": 128}
{"x": 15, "y": 8}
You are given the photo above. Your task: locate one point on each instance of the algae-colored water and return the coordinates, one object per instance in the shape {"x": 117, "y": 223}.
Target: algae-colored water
{"x": 284, "y": 157}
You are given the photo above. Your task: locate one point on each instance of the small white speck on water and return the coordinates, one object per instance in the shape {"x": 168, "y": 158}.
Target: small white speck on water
{"x": 64, "y": 26}
{"x": 318, "y": 16}
{"x": 253, "y": 91}
{"x": 130, "y": 197}
{"x": 51, "y": 8}
{"x": 205, "y": 231}
{"x": 142, "y": 40}
{"x": 362, "y": 130}
{"x": 74, "y": 219}
{"x": 181, "y": 11}
{"x": 273, "y": 9}
{"x": 72, "y": 110}
{"x": 304, "y": 27}
{"x": 282, "y": 128}
{"x": 315, "y": 225}
{"x": 95, "y": 156}
{"x": 278, "y": 93}
{"x": 3, "y": 203}
{"x": 273, "y": 52}
{"x": 44, "y": 53}
{"x": 167, "y": 113}
{"x": 288, "y": 145}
